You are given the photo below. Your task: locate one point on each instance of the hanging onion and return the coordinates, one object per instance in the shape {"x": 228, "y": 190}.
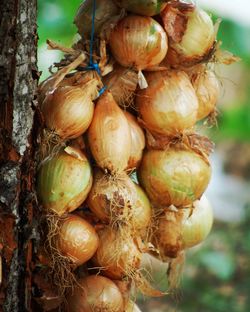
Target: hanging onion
{"x": 83, "y": 20}
{"x": 177, "y": 230}
{"x": 169, "y": 105}
{"x": 191, "y": 33}
{"x": 64, "y": 181}
{"x": 95, "y": 293}
{"x": 174, "y": 176}
{"x": 137, "y": 141}
{"x": 69, "y": 110}
{"x": 76, "y": 239}
{"x": 122, "y": 83}
{"x": 143, "y": 7}
{"x": 138, "y": 42}
{"x": 207, "y": 88}
{"x": 117, "y": 254}
{"x": 108, "y": 128}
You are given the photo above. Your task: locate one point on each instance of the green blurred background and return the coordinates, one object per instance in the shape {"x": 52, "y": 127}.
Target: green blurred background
{"x": 217, "y": 273}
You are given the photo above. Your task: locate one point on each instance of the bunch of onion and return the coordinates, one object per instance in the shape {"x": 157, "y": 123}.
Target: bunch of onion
{"x": 137, "y": 141}
{"x": 138, "y": 42}
{"x": 175, "y": 176}
{"x": 207, "y": 88}
{"x": 143, "y": 7}
{"x": 105, "y": 10}
{"x": 95, "y": 293}
{"x": 119, "y": 200}
{"x": 169, "y": 105}
{"x": 191, "y": 33}
{"x": 64, "y": 181}
{"x": 108, "y": 128}
{"x": 122, "y": 83}
{"x": 183, "y": 228}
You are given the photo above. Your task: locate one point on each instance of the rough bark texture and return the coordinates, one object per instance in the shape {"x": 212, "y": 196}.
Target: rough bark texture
{"x": 18, "y": 82}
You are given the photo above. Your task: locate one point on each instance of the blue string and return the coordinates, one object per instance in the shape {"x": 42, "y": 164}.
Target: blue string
{"x": 92, "y": 65}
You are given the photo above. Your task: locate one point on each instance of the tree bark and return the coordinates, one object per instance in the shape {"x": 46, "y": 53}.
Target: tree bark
{"x": 18, "y": 132}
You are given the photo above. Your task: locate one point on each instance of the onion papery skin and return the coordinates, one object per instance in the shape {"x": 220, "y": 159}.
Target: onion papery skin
{"x": 117, "y": 254}
{"x": 68, "y": 111}
{"x": 77, "y": 239}
{"x": 143, "y": 7}
{"x": 197, "y": 38}
{"x": 138, "y": 42}
{"x": 95, "y": 293}
{"x": 169, "y": 105}
{"x": 108, "y": 128}
{"x": 64, "y": 182}
{"x": 137, "y": 141}
{"x": 104, "y": 11}
{"x": 207, "y": 88}
{"x": 185, "y": 228}
{"x": 174, "y": 176}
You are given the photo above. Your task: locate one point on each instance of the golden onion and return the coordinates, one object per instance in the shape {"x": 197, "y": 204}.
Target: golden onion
{"x": 95, "y": 293}
{"x": 143, "y": 7}
{"x": 108, "y": 128}
{"x": 64, "y": 181}
{"x": 76, "y": 239}
{"x": 138, "y": 42}
{"x": 169, "y": 105}
{"x": 174, "y": 176}
{"x": 137, "y": 141}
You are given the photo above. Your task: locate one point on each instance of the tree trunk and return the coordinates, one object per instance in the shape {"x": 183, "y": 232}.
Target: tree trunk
{"x": 18, "y": 82}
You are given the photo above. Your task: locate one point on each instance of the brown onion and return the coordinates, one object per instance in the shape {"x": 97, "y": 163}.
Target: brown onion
{"x": 77, "y": 239}
{"x": 138, "y": 42}
{"x": 143, "y": 7}
{"x": 64, "y": 181}
{"x": 169, "y": 105}
{"x": 117, "y": 255}
{"x": 137, "y": 141}
{"x": 95, "y": 293}
{"x": 109, "y": 135}
{"x": 174, "y": 176}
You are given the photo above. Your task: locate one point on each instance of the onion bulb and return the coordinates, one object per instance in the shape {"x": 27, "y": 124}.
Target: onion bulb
{"x": 76, "y": 239}
{"x": 174, "y": 176}
{"x": 169, "y": 105}
{"x": 207, "y": 88}
{"x": 69, "y": 109}
{"x": 95, "y": 293}
{"x": 137, "y": 141}
{"x": 122, "y": 83}
{"x": 109, "y": 135}
{"x": 64, "y": 181}
{"x": 83, "y": 19}
{"x": 143, "y": 7}
{"x": 191, "y": 34}
{"x": 117, "y": 254}
{"x": 138, "y": 42}
{"x": 185, "y": 228}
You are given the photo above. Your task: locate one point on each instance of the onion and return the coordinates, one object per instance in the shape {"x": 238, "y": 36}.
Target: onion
{"x": 138, "y": 42}
{"x": 69, "y": 110}
{"x": 83, "y": 20}
{"x": 143, "y": 7}
{"x": 108, "y": 128}
{"x": 169, "y": 105}
{"x": 117, "y": 254}
{"x": 174, "y": 176}
{"x": 137, "y": 142}
{"x": 95, "y": 293}
{"x": 191, "y": 33}
{"x": 207, "y": 88}
{"x": 122, "y": 83}
{"x": 77, "y": 239}
{"x": 64, "y": 181}
{"x": 182, "y": 229}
